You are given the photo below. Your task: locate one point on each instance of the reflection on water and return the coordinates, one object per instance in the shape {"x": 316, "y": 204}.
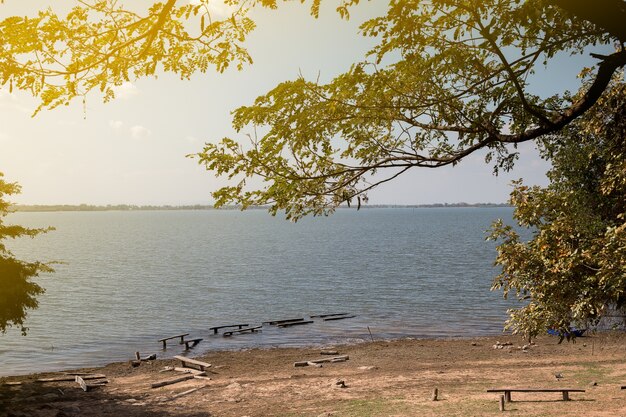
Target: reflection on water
{"x": 131, "y": 278}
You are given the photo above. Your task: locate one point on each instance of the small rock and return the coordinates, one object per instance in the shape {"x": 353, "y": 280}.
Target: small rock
{"x": 593, "y": 384}
{"x": 474, "y": 343}
{"x": 525, "y": 347}
{"x": 340, "y": 383}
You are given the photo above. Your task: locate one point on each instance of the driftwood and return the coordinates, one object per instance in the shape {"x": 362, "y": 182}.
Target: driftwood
{"x": 247, "y": 329}
{"x": 294, "y": 323}
{"x": 335, "y": 359}
{"x": 328, "y": 315}
{"x": 338, "y": 318}
{"x": 274, "y": 322}
{"x": 216, "y": 328}
{"x": 181, "y": 394}
{"x": 71, "y": 378}
{"x": 329, "y": 352}
{"x": 85, "y": 386}
{"x": 189, "y": 371}
{"x": 171, "y": 381}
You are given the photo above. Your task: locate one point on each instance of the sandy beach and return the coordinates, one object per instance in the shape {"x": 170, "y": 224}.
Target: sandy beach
{"x": 381, "y": 378}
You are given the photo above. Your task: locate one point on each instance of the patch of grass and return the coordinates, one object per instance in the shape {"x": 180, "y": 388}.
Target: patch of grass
{"x": 590, "y": 371}
{"x": 379, "y": 407}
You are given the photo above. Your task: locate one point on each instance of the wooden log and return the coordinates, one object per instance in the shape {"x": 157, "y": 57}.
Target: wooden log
{"x": 294, "y": 323}
{"x": 189, "y": 391}
{"x": 273, "y": 322}
{"x": 338, "y": 318}
{"x": 190, "y": 371}
{"x": 82, "y": 383}
{"x": 171, "y": 381}
{"x": 137, "y": 356}
{"x": 70, "y": 378}
{"x": 342, "y": 358}
{"x": 185, "y": 361}
{"x": 435, "y": 395}
{"x": 565, "y": 395}
{"x": 501, "y": 402}
{"x": 87, "y": 387}
{"x": 329, "y": 352}
{"x": 317, "y": 365}
{"x": 507, "y": 396}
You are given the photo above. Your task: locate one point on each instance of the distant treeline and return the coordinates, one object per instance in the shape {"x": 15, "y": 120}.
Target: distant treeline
{"x": 129, "y": 207}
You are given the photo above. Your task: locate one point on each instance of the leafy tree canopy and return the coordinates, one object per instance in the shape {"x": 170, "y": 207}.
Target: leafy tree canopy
{"x": 17, "y": 290}
{"x": 448, "y": 77}
{"x": 573, "y": 270}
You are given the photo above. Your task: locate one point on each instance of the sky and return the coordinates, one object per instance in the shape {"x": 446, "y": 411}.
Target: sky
{"x": 133, "y": 149}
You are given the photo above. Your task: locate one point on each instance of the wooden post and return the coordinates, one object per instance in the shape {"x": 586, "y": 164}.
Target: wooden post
{"x": 164, "y": 344}
{"x": 501, "y": 402}
{"x": 565, "y": 395}
{"x": 435, "y": 395}
{"x": 137, "y": 356}
{"x": 507, "y": 396}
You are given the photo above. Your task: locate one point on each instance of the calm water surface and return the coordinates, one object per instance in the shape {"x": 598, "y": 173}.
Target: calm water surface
{"x": 132, "y": 277}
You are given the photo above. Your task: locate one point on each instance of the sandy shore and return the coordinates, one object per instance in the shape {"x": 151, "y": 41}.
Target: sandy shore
{"x": 393, "y": 378}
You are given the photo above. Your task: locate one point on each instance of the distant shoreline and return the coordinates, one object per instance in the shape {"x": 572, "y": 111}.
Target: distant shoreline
{"x": 130, "y": 207}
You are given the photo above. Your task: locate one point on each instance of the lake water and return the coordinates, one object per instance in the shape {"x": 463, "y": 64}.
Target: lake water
{"x": 132, "y": 277}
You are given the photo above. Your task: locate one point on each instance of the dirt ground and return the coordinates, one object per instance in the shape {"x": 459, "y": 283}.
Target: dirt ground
{"x": 384, "y": 378}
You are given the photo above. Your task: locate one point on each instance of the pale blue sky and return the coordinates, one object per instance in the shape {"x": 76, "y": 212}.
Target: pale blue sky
{"x": 132, "y": 150}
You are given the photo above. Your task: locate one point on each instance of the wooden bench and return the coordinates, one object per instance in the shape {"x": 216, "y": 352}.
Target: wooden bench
{"x": 191, "y": 342}
{"x": 294, "y": 323}
{"x": 247, "y": 329}
{"x": 274, "y": 322}
{"x": 338, "y": 318}
{"x": 186, "y": 361}
{"x": 216, "y": 328}
{"x": 182, "y": 339}
{"x": 321, "y": 316}
{"x": 507, "y": 391}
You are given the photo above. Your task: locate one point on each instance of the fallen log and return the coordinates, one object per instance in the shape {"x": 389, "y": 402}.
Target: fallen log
{"x": 70, "y": 378}
{"x": 171, "y": 381}
{"x": 335, "y": 359}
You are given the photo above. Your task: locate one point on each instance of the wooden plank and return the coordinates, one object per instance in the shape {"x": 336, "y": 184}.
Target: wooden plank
{"x": 189, "y": 391}
{"x": 294, "y": 323}
{"x": 338, "y": 318}
{"x": 274, "y": 322}
{"x": 536, "y": 390}
{"x": 191, "y": 371}
{"x": 82, "y": 383}
{"x": 216, "y": 328}
{"x": 171, "y": 381}
{"x": 341, "y": 358}
{"x": 247, "y": 329}
{"x": 321, "y": 316}
{"x": 198, "y": 363}
{"x": 70, "y": 378}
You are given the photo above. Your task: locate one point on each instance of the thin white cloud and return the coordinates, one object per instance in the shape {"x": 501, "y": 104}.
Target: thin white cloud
{"x": 125, "y": 91}
{"x": 140, "y": 132}
{"x": 116, "y": 124}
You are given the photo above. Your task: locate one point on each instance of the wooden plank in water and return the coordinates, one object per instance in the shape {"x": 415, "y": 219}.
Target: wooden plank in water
{"x": 321, "y": 316}
{"x": 200, "y": 364}
{"x": 294, "y": 323}
{"x": 247, "y": 329}
{"x": 216, "y": 328}
{"x": 274, "y": 322}
{"x": 338, "y": 318}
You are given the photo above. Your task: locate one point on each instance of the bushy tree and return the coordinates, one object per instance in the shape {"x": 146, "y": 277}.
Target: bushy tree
{"x": 18, "y": 292}
{"x": 573, "y": 270}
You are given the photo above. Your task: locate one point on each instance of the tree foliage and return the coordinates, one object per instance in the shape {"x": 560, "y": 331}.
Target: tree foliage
{"x": 447, "y": 78}
{"x": 573, "y": 270}
{"x": 17, "y": 290}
